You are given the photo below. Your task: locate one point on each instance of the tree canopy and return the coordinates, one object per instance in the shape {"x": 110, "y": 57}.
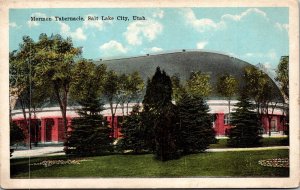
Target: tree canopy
{"x": 199, "y": 85}
{"x": 283, "y": 75}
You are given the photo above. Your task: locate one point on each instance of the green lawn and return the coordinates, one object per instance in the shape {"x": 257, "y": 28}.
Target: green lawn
{"x": 221, "y": 164}
{"x": 272, "y": 141}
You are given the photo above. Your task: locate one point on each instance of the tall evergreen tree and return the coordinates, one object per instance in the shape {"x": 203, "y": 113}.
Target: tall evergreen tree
{"x": 246, "y": 130}
{"x": 159, "y": 110}
{"x": 195, "y": 127}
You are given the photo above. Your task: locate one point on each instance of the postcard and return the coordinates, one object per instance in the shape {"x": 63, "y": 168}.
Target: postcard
{"x": 141, "y": 94}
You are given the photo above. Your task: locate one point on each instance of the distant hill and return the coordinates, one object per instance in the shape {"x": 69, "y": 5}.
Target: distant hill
{"x": 182, "y": 63}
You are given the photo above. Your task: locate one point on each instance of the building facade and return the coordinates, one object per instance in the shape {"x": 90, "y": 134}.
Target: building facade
{"x": 47, "y": 125}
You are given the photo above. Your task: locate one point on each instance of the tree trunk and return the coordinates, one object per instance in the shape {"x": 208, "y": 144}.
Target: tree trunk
{"x": 29, "y": 126}
{"x": 63, "y": 103}
{"x": 127, "y": 107}
{"x": 123, "y": 112}
{"x": 229, "y": 117}
{"x": 27, "y": 123}
{"x": 112, "y": 115}
{"x": 64, "y": 114}
{"x": 269, "y": 121}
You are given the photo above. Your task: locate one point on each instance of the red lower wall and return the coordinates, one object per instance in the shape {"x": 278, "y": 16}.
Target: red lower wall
{"x": 50, "y": 129}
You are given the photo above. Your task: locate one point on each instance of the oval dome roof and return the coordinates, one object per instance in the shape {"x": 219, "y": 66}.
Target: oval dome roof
{"x": 183, "y": 63}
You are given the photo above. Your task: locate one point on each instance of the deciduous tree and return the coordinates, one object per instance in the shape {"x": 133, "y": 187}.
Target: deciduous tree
{"x": 282, "y": 75}
{"x": 135, "y": 88}
{"x": 23, "y": 87}
{"x": 227, "y": 86}
{"x": 112, "y": 93}
{"x": 199, "y": 85}
{"x": 55, "y": 59}
{"x": 261, "y": 89}
{"x": 177, "y": 87}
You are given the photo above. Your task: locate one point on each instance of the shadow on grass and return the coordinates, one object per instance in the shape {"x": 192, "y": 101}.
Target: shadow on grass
{"x": 23, "y": 165}
{"x": 266, "y": 142}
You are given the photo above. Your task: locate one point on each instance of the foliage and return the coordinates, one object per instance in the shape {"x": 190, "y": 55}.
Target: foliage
{"x": 148, "y": 121}
{"x": 158, "y": 92}
{"x": 133, "y": 88}
{"x": 87, "y": 76}
{"x": 257, "y": 85}
{"x": 195, "y": 131}
{"x": 283, "y": 79}
{"x": 22, "y": 84}
{"x": 178, "y": 89}
{"x": 55, "y": 59}
{"x": 134, "y": 133}
{"x": 246, "y": 126}
{"x": 227, "y": 86}
{"x": 165, "y": 130}
{"x": 16, "y": 134}
{"x": 111, "y": 91}
{"x": 90, "y": 133}
{"x": 199, "y": 85}
{"x": 261, "y": 89}
{"x": 159, "y": 109}
{"x": 283, "y": 75}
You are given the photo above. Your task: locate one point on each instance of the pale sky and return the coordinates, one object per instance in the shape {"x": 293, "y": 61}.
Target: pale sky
{"x": 255, "y": 35}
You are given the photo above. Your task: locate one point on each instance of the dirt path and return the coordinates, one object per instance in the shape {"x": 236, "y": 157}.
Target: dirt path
{"x": 38, "y": 151}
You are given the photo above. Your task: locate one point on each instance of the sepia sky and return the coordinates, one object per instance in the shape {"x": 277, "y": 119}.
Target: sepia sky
{"x": 256, "y": 35}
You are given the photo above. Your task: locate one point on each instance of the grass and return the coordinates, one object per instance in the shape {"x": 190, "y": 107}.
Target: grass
{"x": 221, "y": 164}
{"x": 272, "y": 141}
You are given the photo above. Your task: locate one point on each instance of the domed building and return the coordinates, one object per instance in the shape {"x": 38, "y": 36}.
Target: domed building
{"x": 48, "y": 120}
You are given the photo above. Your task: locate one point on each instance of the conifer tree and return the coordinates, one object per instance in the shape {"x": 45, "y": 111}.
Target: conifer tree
{"x": 246, "y": 130}
{"x": 133, "y": 133}
{"x": 159, "y": 115}
{"x": 90, "y": 133}
{"x": 195, "y": 127}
